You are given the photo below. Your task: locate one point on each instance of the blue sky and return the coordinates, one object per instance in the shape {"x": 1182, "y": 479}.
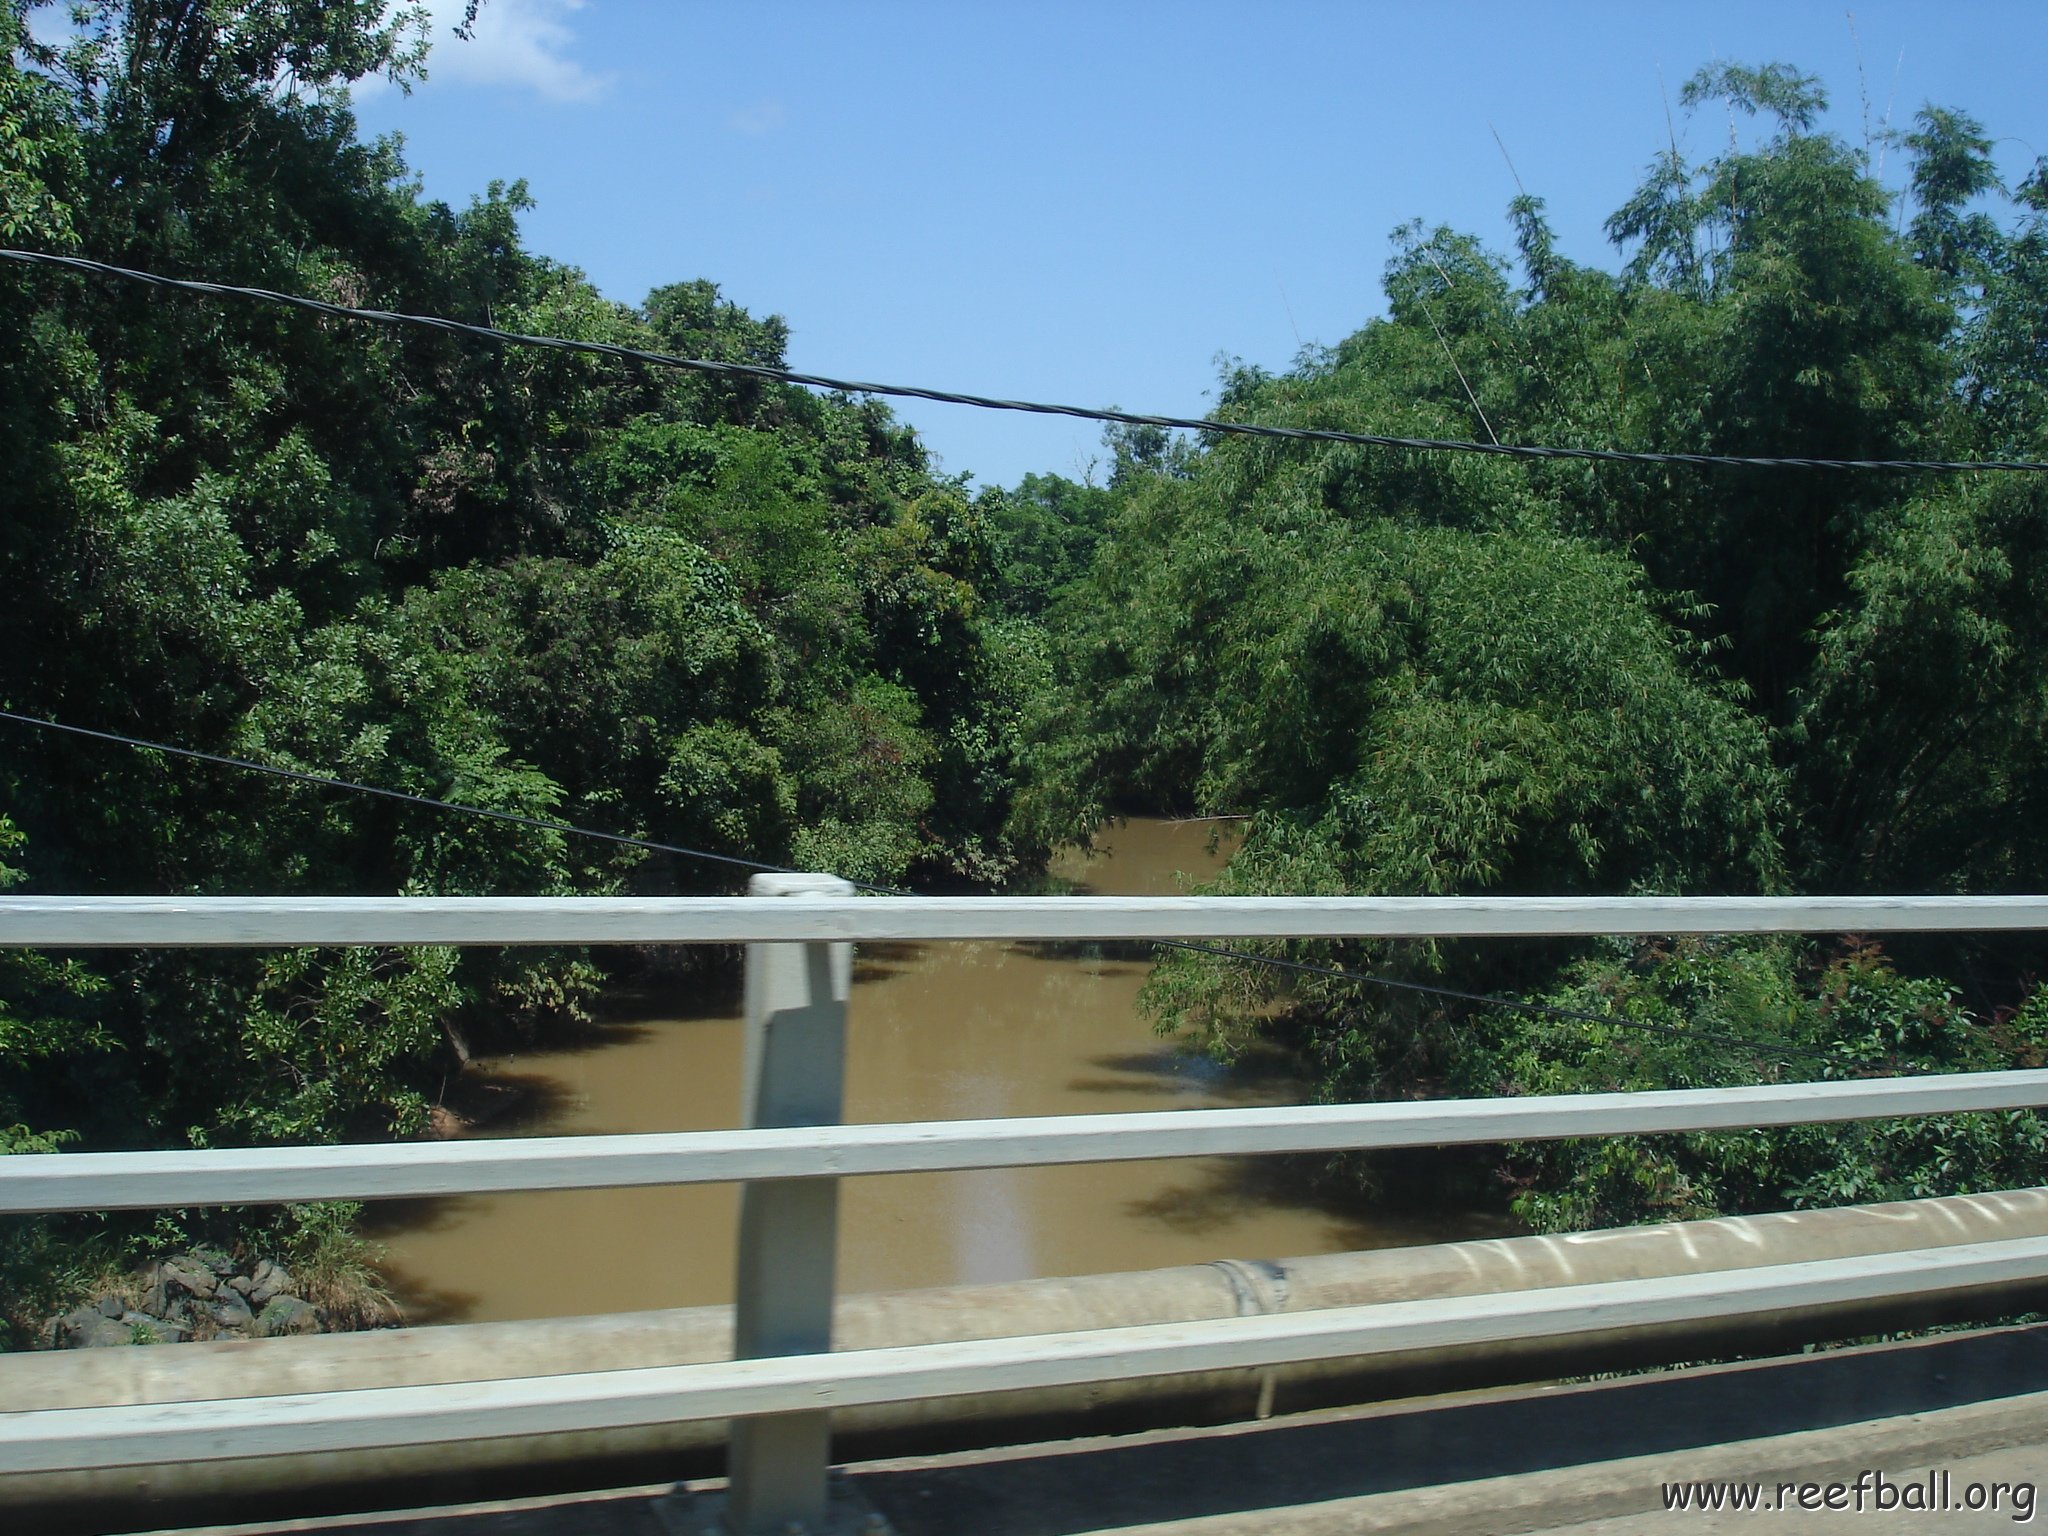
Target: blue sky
{"x": 1088, "y": 203}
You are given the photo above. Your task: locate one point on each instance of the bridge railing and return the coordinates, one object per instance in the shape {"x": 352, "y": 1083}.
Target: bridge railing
{"x": 792, "y": 1151}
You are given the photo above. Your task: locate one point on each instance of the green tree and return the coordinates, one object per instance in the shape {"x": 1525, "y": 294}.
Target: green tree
{"x": 1446, "y": 673}
{"x": 724, "y": 613}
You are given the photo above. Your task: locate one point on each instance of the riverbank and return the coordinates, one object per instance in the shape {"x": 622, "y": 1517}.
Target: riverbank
{"x": 205, "y": 1293}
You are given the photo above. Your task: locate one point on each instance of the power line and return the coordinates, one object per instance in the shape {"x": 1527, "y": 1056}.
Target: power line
{"x": 990, "y": 403}
{"x": 1546, "y": 1010}
{"x": 326, "y": 781}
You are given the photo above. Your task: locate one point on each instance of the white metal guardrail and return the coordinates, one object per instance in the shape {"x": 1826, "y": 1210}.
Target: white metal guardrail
{"x": 75, "y": 922}
{"x": 793, "y": 1151}
{"x": 110, "y": 1181}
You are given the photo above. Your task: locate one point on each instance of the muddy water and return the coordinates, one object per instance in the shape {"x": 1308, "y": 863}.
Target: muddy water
{"x": 935, "y": 1032}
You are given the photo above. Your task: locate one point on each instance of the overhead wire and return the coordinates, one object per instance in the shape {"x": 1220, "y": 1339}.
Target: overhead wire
{"x": 325, "y": 781}
{"x": 762, "y": 372}
{"x": 713, "y": 366}
{"x": 1299, "y": 967}
{"x": 1488, "y": 1000}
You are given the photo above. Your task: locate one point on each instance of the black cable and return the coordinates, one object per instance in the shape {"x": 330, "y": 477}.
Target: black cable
{"x": 325, "y": 782}
{"x": 1620, "y": 1021}
{"x": 986, "y": 402}
{"x": 817, "y": 381}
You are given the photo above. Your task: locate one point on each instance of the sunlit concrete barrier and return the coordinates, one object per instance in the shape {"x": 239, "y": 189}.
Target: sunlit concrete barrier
{"x": 157, "y": 1495}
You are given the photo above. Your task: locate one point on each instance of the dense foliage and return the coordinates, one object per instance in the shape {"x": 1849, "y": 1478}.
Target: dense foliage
{"x": 749, "y": 619}
{"x": 731, "y": 616}
{"x": 1438, "y": 674}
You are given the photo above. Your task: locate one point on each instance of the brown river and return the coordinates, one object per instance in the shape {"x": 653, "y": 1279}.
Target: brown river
{"x": 934, "y": 1032}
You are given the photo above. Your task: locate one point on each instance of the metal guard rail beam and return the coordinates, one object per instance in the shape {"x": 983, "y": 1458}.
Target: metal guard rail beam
{"x": 799, "y": 930}
{"x": 105, "y": 1181}
{"x": 69, "y": 1439}
{"x": 54, "y": 922}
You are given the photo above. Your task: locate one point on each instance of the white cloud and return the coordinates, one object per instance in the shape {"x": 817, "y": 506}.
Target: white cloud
{"x": 520, "y": 43}
{"x": 763, "y": 116}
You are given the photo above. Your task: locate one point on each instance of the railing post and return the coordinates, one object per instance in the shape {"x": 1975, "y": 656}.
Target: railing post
{"x": 789, "y": 1229}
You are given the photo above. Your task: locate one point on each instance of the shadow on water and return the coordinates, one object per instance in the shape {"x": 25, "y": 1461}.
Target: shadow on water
{"x": 422, "y": 1213}
{"x": 1224, "y": 1191}
{"x": 499, "y": 1102}
{"x": 496, "y": 1103}
{"x": 425, "y": 1305}
{"x": 1263, "y": 1077}
{"x": 885, "y": 960}
{"x": 1108, "y": 952}
{"x": 693, "y": 989}
{"x": 422, "y": 1302}
{"x": 891, "y": 951}
{"x": 1221, "y": 1192}
{"x": 599, "y": 1035}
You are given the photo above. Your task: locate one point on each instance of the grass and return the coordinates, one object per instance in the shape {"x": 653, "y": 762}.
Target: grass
{"x": 335, "y": 1266}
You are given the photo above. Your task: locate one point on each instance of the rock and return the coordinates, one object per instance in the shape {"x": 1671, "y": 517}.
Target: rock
{"x": 213, "y": 1259}
{"x": 112, "y": 1306}
{"x": 89, "y": 1328}
{"x": 242, "y": 1285}
{"x": 274, "y": 1275}
{"x": 271, "y": 1280}
{"x": 231, "y": 1311}
{"x": 187, "y": 1276}
{"x": 287, "y": 1314}
{"x": 144, "y": 1329}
